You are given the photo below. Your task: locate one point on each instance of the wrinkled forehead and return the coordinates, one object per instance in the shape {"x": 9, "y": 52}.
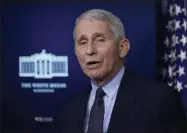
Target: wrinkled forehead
{"x": 91, "y": 28}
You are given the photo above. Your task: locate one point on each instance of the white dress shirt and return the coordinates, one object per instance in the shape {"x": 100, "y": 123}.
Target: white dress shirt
{"x": 111, "y": 89}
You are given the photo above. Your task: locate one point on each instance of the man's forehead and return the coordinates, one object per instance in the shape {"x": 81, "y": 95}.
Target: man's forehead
{"x": 88, "y": 28}
{"x": 94, "y": 24}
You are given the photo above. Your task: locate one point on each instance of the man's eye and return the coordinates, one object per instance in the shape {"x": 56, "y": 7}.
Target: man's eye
{"x": 83, "y": 42}
{"x": 100, "y": 40}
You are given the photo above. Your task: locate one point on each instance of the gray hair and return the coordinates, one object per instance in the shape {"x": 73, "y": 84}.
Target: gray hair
{"x": 115, "y": 24}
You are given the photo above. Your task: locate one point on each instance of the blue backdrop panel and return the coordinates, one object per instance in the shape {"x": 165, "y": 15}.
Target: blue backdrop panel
{"x": 30, "y": 28}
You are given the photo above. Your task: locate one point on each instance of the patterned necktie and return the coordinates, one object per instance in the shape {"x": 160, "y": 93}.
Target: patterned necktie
{"x": 95, "y": 124}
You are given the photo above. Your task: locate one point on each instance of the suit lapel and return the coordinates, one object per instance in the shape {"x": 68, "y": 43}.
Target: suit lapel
{"x": 123, "y": 104}
{"x": 81, "y": 111}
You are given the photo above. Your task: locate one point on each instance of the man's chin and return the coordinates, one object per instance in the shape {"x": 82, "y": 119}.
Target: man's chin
{"x": 96, "y": 78}
{"x": 93, "y": 77}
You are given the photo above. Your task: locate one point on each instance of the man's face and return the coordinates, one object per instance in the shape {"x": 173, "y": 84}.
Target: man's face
{"x": 96, "y": 49}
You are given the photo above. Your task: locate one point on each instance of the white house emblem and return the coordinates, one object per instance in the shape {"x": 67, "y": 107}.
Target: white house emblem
{"x": 43, "y": 65}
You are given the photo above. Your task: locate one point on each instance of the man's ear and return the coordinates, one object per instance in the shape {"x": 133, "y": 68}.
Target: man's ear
{"x": 124, "y": 47}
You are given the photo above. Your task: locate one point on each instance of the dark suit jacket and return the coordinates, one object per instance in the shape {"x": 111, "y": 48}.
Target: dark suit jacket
{"x": 141, "y": 106}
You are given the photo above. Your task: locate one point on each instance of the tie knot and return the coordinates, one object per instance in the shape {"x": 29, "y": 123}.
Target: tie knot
{"x": 100, "y": 93}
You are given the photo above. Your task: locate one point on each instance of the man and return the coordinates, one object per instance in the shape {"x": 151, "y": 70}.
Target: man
{"x": 117, "y": 100}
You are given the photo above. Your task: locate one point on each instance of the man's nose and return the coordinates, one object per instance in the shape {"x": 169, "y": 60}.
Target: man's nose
{"x": 91, "y": 49}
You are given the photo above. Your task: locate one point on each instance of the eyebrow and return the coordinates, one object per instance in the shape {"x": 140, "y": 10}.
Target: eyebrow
{"x": 81, "y": 38}
{"x": 98, "y": 34}
{"x": 94, "y": 35}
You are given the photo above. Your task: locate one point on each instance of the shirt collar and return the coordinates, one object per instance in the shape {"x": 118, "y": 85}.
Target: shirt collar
{"x": 112, "y": 86}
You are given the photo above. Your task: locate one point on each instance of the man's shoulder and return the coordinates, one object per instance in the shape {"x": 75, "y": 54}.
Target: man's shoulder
{"x": 76, "y": 99}
{"x": 150, "y": 86}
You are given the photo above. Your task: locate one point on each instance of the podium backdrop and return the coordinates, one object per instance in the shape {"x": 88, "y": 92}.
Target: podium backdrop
{"x": 40, "y": 70}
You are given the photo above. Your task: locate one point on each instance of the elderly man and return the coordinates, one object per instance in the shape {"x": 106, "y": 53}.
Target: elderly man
{"x": 117, "y": 99}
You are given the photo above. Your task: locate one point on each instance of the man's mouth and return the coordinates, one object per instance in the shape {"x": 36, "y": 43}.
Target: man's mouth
{"x": 92, "y": 64}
